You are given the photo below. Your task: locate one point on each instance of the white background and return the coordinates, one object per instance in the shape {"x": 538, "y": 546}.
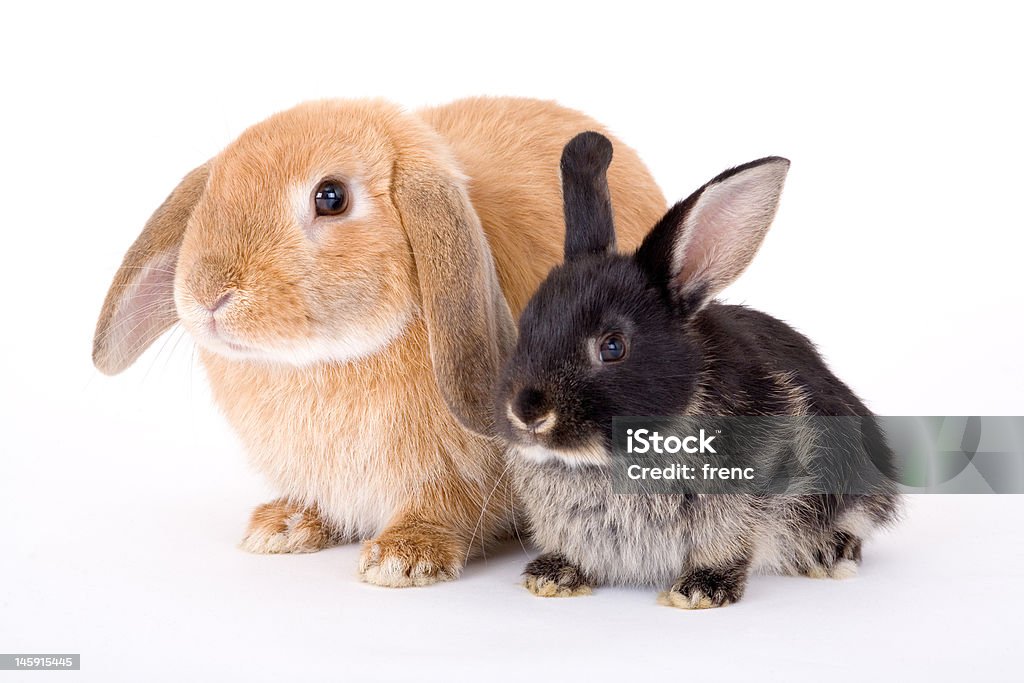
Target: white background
{"x": 897, "y": 249}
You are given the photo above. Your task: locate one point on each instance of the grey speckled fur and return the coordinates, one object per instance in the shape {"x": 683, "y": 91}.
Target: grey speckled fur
{"x": 651, "y": 539}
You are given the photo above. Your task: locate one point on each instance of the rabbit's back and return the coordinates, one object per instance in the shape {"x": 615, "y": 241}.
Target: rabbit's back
{"x": 510, "y": 149}
{"x": 763, "y": 366}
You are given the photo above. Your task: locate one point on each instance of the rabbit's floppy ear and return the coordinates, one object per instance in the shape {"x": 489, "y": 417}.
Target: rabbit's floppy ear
{"x": 705, "y": 241}
{"x": 468, "y": 320}
{"x": 140, "y": 304}
{"x": 589, "y": 221}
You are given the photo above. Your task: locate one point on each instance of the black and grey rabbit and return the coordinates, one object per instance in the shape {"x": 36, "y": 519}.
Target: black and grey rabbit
{"x": 610, "y": 334}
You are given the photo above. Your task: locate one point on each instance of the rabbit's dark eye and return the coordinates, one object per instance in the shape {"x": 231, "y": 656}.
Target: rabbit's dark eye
{"x": 331, "y": 198}
{"x": 612, "y": 348}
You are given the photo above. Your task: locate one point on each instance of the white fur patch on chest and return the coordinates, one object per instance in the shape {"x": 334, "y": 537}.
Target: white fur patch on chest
{"x": 339, "y": 455}
{"x": 589, "y": 455}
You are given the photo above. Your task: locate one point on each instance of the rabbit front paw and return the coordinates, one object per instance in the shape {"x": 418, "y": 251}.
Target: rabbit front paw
{"x": 281, "y": 526}
{"x": 399, "y": 559}
{"x": 551, "y": 575}
{"x": 704, "y": 589}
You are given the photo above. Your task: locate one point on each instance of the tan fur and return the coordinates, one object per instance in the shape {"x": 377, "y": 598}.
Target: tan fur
{"x": 345, "y": 340}
{"x": 132, "y": 307}
{"x": 499, "y": 143}
{"x": 281, "y": 526}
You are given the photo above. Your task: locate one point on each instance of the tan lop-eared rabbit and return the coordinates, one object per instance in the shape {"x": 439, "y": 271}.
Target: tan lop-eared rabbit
{"x": 350, "y": 271}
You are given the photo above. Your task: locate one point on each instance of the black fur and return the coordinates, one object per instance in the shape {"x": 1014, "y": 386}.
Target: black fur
{"x": 557, "y": 569}
{"x": 585, "y": 198}
{"x": 675, "y": 347}
{"x": 721, "y": 585}
{"x": 554, "y": 363}
{"x": 684, "y": 354}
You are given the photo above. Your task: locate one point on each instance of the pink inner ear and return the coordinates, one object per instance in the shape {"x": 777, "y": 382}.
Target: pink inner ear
{"x": 725, "y": 228}
{"x": 143, "y": 312}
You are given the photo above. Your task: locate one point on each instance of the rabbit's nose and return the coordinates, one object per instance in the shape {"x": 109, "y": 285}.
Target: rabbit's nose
{"x": 221, "y": 301}
{"x": 542, "y": 424}
{"x": 530, "y": 410}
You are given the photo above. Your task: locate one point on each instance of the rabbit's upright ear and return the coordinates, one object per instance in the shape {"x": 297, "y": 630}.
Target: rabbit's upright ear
{"x": 468, "y": 320}
{"x": 705, "y": 241}
{"x": 140, "y": 304}
{"x": 589, "y": 222}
